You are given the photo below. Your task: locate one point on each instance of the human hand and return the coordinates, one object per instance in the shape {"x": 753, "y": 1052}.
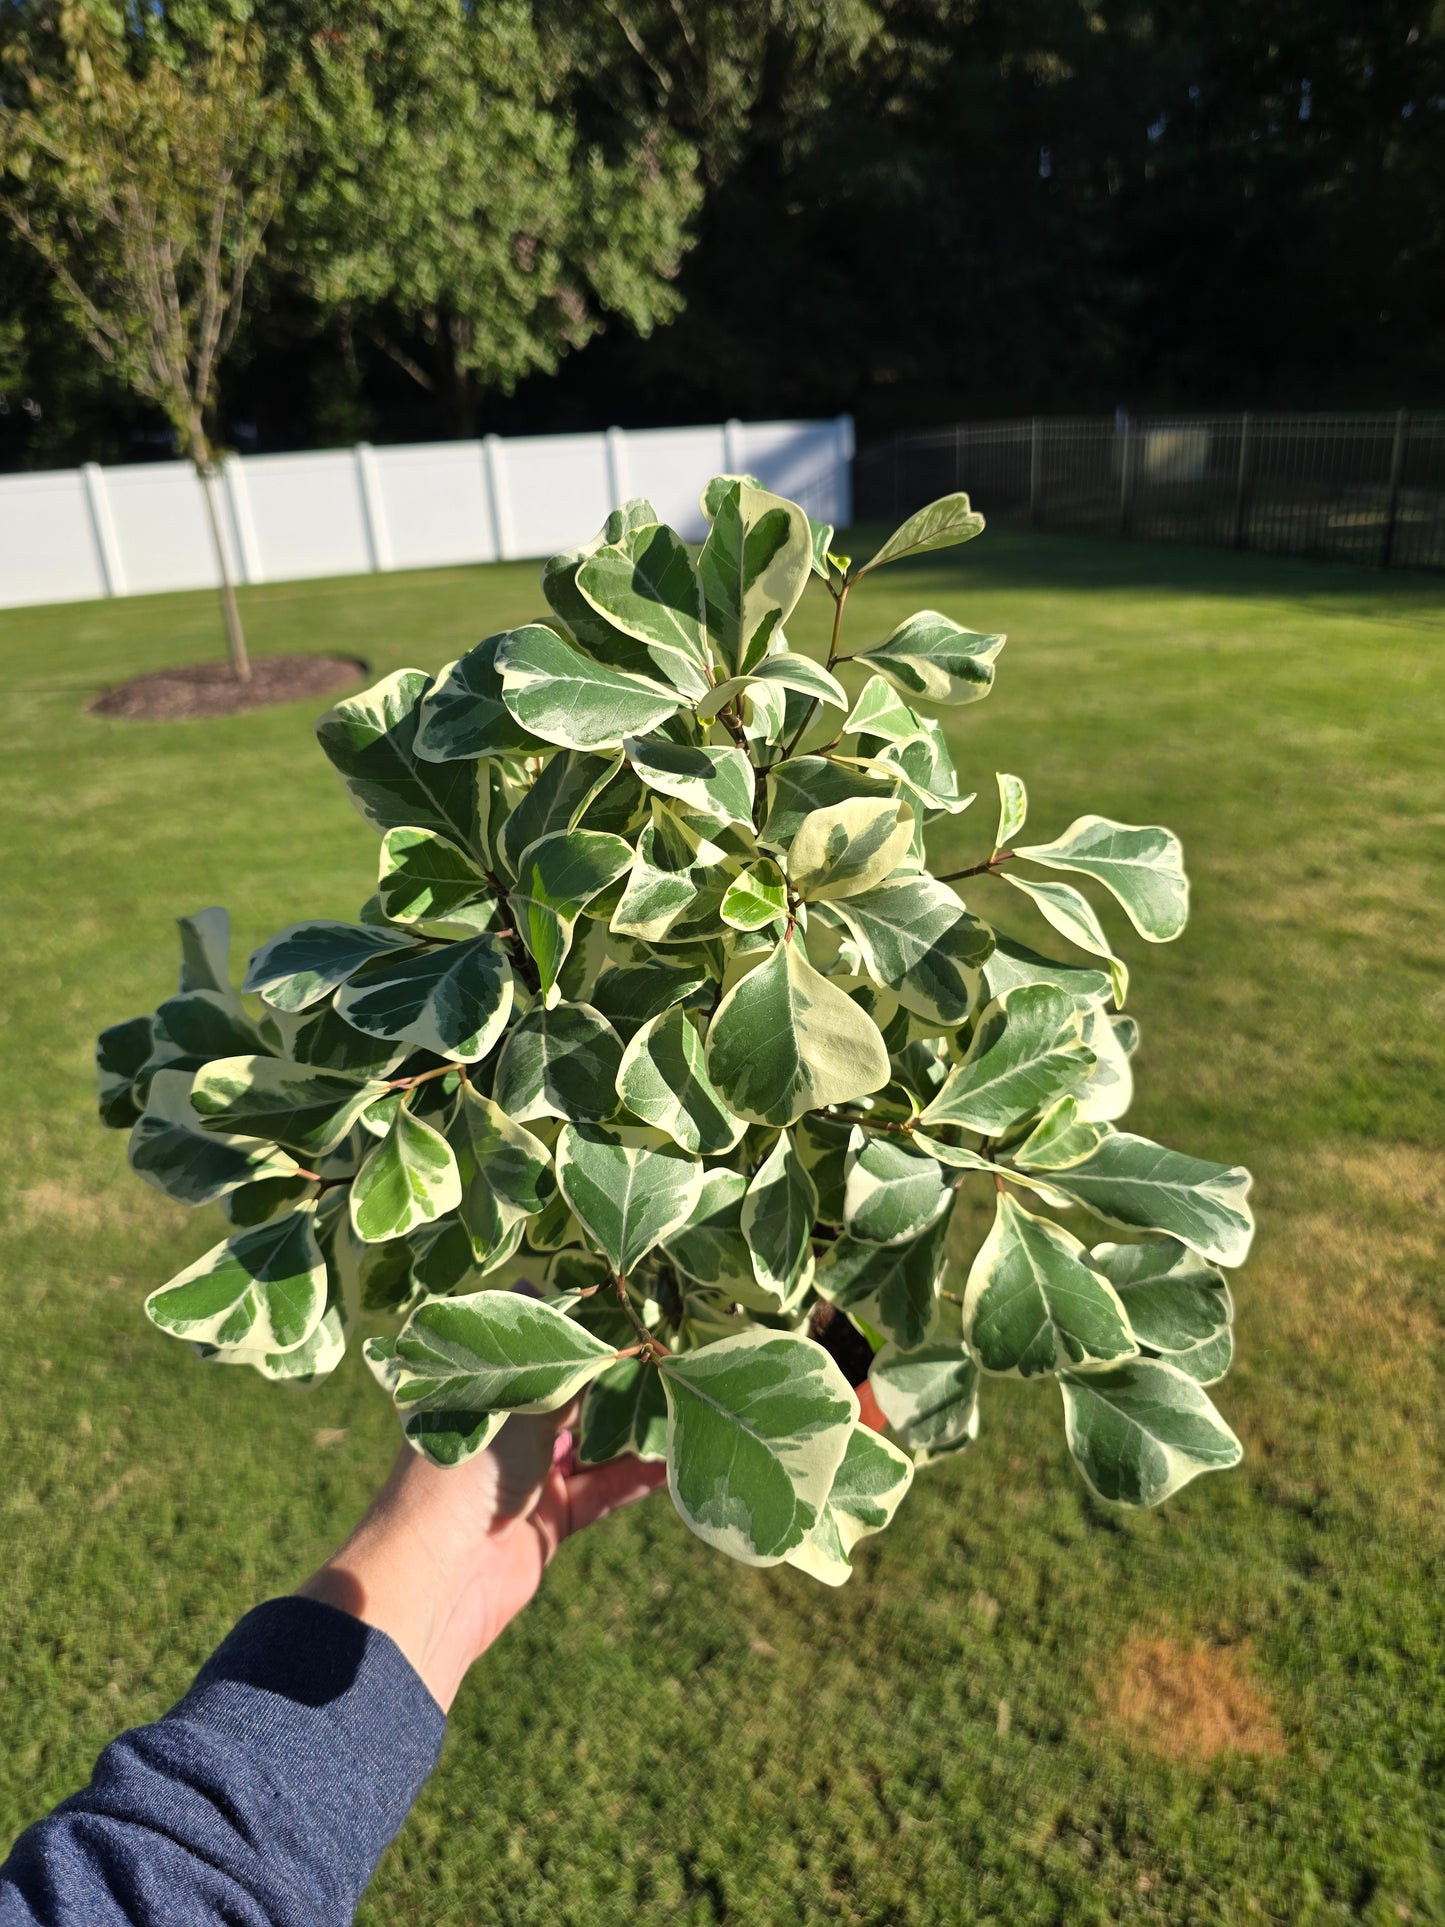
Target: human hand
{"x": 445, "y": 1558}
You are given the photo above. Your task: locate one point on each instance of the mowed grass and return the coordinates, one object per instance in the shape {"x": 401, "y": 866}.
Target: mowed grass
{"x": 1025, "y": 1707}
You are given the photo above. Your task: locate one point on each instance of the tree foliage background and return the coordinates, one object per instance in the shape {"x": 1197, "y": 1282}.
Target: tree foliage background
{"x": 550, "y": 213}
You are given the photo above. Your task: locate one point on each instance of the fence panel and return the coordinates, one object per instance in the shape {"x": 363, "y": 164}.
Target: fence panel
{"x": 161, "y": 526}
{"x": 127, "y": 530}
{"x": 1356, "y": 488}
{"x": 49, "y": 548}
{"x": 432, "y": 505}
{"x": 669, "y": 467}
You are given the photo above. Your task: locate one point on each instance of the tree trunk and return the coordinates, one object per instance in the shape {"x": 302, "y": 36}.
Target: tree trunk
{"x": 235, "y": 635}
{"x": 460, "y": 384}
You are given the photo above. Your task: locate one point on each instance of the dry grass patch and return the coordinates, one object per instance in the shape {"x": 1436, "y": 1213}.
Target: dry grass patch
{"x": 1340, "y": 1327}
{"x": 1189, "y": 1702}
{"x": 1357, "y": 1243}
{"x": 125, "y": 1207}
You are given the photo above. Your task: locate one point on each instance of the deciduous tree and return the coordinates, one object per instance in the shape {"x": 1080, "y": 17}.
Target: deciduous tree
{"x": 450, "y": 210}
{"x": 146, "y": 180}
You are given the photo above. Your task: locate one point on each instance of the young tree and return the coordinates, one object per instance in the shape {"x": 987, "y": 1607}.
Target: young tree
{"x": 147, "y": 183}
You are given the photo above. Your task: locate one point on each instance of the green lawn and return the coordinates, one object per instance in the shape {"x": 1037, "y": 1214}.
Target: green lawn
{"x": 1025, "y": 1708}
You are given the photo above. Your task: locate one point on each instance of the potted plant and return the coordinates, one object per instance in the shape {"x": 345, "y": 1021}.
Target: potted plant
{"x": 658, "y": 1008}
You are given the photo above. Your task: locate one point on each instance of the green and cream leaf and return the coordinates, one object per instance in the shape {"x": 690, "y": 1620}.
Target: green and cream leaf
{"x": 1013, "y": 809}
{"x": 426, "y": 878}
{"x": 941, "y": 525}
{"x": 756, "y": 899}
{"x": 849, "y": 848}
{"x": 408, "y": 1180}
{"x": 559, "y": 1063}
{"x": 892, "y": 1193}
{"x": 557, "y": 878}
{"x": 1027, "y": 1051}
{"x": 754, "y": 566}
{"x": 784, "y": 1041}
{"x": 893, "y": 1287}
{"x": 1143, "y": 1186}
{"x": 371, "y": 742}
{"x": 170, "y": 1149}
{"x": 1060, "y": 1138}
{"x": 867, "y": 1490}
{"x": 931, "y": 656}
{"x": 880, "y": 711}
{"x": 1141, "y": 1431}
{"x": 777, "y": 1227}
{"x": 1175, "y": 1301}
{"x": 310, "y": 1111}
{"x": 1034, "y": 1303}
{"x": 453, "y": 999}
{"x": 916, "y": 939}
{"x": 710, "y": 1247}
{"x": 502, "y": 1170}
{"x": 306, "y": 962}
{"x": 493, "y": 1351}
{"x": 566, "y": 698}
{"x": 1143, "y": 867}
{"x": 663, "y": 1080}
{"x": 646, "y": 586}
{"x": 715, "y": 782}
{"x": 627, "y": 1197}
{"x": 265, "y": 1288}
{"x": 928, "y": 1396}
{"x": 757, "y": 1427}
{"x": 803, "y": 784}
{"x": 625, "y": 1411}
{"x": 784, "y": 671}
{"x": 1072, "y": 915}
{"x": 463, "y": 716}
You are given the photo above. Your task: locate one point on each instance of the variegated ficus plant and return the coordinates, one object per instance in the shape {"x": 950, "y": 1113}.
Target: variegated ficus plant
{"x": 659, "y": 1054}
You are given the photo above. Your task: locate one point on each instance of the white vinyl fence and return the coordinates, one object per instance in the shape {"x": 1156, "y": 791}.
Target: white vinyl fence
{"x": 79, "y": 533}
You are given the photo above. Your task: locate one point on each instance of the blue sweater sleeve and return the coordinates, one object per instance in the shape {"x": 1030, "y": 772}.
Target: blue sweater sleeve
{"x": 264, "y": 1798}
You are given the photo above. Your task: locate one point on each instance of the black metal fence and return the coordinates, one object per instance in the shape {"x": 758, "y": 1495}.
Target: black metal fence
{"x": 1357, "y": 488}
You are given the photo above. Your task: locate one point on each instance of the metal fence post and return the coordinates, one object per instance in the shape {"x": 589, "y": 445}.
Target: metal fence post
{"x": 1240, "y": 536}
{"x": 1397, "y": 476}
{"x": 1036, "y": 472}
{"x": 1126, "y": 478}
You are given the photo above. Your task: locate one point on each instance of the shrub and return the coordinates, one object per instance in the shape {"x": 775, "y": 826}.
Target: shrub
{"x": 662, "y": 1013}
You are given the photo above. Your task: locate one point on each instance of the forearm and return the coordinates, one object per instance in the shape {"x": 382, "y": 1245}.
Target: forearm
{"x": 267, "y": 1796}
{"x": 264, "y": 1798}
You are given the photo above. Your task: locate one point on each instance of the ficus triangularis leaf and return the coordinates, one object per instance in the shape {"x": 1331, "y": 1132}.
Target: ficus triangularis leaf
{"x": 664, "y": 1048}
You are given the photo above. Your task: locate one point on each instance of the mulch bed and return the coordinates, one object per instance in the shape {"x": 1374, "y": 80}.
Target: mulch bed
{"x": 210, "y": 689}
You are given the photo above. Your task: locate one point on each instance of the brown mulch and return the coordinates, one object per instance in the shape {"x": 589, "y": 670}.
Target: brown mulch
{"x": 210, "y": 689}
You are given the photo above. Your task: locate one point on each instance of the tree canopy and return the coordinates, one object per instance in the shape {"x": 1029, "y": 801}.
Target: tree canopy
{"x": 965, "y": 207}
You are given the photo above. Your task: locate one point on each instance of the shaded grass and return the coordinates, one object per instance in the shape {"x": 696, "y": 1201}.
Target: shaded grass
{"x": 955, "y": 1736}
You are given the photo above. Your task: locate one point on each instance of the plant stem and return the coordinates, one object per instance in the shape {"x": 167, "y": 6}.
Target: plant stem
{"x": 986, "y": 869}
{"x": 803, "y": 727}
{"x": 326, "y": 1184}
{"x": 651, "y": 1344}
{"x": 422, "y": 1077}
{"x": 869, "y": 1123}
